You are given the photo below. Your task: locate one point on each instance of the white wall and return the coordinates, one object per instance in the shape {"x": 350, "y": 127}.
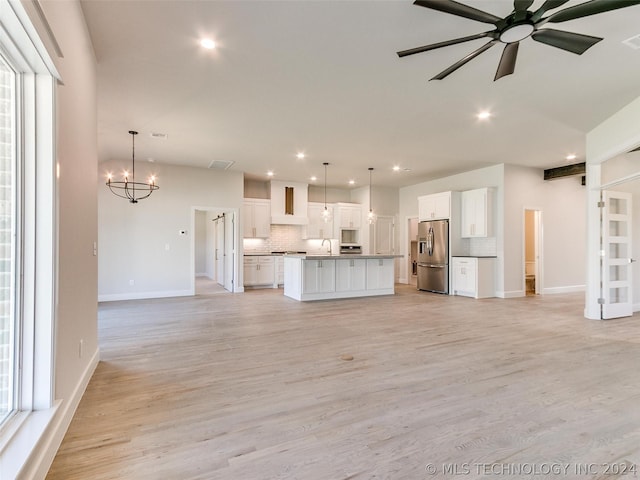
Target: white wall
{"x": 562, "y": 203}
{"x": 76, "y": 154}
{"x": 200, "y": 234}
{"x": 141, "y": 242}
{"x": 616, "y": 135}
{"x": 517, "y": 188}
{"x": 484, "y": 177}
{"x": 614, "y": 169}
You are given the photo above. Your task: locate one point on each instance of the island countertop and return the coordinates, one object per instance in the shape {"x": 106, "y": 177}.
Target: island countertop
{"x": 350, "y": 256}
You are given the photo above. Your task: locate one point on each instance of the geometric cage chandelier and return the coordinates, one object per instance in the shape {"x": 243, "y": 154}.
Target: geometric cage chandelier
{"x": 130, "y": 189}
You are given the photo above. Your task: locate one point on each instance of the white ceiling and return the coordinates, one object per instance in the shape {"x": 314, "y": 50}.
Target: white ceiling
{"x": 323, "y": 77}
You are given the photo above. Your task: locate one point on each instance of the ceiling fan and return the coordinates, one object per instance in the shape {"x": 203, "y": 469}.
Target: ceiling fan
{"x": 518, "y": 25}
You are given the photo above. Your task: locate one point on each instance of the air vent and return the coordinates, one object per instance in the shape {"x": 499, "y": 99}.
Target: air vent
{"x": 220, "y": 164}
{"x": 633, "y": 42}
{"x": 160, "y": 136}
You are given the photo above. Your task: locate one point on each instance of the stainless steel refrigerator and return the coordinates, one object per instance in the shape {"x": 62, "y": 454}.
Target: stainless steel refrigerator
{"x": 433, "y": 256}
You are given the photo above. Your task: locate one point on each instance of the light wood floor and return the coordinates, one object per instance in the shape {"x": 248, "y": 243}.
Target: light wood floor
{"x": 252, "y": 386}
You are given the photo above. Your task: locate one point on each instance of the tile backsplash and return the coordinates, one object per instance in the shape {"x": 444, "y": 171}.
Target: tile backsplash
{"x": 285, "y": 238}
{"x": 483, "y": 247}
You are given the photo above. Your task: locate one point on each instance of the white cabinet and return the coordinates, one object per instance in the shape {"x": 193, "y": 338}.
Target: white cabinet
{"x": 257, "y": 218}
{"x": 322, "y": 279}
{"x": 351, "y": 274}
{"x": 279, "y": 270}
{"x": 477, "y": 213}
{"x": 434, "y": 207}
{"x": 473, "y": 276}
{"x": 380, "y": 273}
{"x": 318, "y": 276}
{"x": 259, "y": 270}
{"x": 317, "y": 227}
{"x": 348, "y": 216}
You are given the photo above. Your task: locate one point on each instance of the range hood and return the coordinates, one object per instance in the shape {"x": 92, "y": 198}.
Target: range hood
{"x": 289, "y": 203}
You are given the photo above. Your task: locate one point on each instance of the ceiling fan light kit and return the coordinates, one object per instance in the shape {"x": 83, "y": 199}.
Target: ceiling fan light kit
{"x": 519, "y": 25}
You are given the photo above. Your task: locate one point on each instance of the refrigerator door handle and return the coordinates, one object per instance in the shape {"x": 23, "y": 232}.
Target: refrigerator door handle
{"x": 430, "y": 237}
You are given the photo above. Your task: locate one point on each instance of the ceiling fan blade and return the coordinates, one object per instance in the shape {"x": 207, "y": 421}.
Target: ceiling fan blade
{"x": 455, "y": 41}
{"x": 459, "y": 9}
{"x": 569, "y": 41}
{"x": 466, "y": 59}
{"x": 547, "y": 5}
{"x": 508, "y": 60}
{"x": 592, "y": 7}
{"x": 637, "y": 149}
{"x": 522, "y": 5}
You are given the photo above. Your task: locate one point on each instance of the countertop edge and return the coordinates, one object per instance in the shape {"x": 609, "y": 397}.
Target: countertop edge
{"x": 342, "y": 256}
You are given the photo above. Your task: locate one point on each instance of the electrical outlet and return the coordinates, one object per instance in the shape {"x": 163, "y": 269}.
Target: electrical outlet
{"x": 132, "y": 283}
{"x": 95, "y": 249}
{"x": 167, "y": 247}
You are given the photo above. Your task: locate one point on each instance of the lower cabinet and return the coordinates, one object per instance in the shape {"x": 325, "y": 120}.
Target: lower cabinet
{"x": 319, "y": 276}
{"x": 380, "y": 273}
{"x": 351, "y": 274}
{"x": 259, "y": 271}
{"x": 473, "y": 276}
{"x": 279, "y": 268}
{"x": 321, "y": 279}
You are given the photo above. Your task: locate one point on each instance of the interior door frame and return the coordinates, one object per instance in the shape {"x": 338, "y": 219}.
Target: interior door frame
{"x": 538, "y": 247}
{"x": 232, "y": 248}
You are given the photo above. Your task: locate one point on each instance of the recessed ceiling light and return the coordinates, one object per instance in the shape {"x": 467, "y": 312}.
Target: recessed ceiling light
{"x": 571, "y": 156}
{"x": 352, "y": 182}
{"x": 207, "y": 43}
{"x": 314, "y": 178}
{"x": 270, "y": 173}
{"x": 300, "y": 155}
{"x": 151, "y": 160}
{"x": 396, "y": 168}
{"x": 484, "y": 115}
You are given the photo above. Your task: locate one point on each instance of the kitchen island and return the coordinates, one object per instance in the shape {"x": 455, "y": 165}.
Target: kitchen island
{"x": 322, "y": 277}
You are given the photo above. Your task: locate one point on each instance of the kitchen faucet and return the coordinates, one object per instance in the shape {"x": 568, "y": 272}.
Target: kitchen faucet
{"x": 322, "y": 244}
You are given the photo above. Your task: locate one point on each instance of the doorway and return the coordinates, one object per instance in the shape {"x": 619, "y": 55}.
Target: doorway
{"x": 532, "y": 252}
{"x": 214, "y": 260}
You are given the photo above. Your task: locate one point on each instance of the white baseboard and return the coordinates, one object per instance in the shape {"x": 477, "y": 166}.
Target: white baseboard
{"x": 403, "y": 280}
{"x": 42, "y": 458}
{"x": 511, "y": 294}
{"x": 143, "y": 295}
{"x": 567, "y": 289}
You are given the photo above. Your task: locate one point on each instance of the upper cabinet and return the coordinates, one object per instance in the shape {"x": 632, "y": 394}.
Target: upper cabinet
{"x": 477, "y": 213}
{"x": 317, "y": 227}
{"x": 348, "y": 215}
{"x": 434, "y": 207}
{"x": 257, "y": 215}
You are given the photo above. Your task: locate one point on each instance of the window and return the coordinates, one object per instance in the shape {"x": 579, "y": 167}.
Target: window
{"x": 28, "y": 248}
{"x": 7, "y": 238}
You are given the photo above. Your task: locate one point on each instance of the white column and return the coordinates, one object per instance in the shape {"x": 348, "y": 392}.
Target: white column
{"x": 592, "y": 307}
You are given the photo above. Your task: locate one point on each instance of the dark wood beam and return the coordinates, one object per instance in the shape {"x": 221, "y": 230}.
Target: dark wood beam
{"x": 565, "y": 171}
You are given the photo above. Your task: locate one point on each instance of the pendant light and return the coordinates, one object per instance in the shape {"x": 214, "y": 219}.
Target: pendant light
{"x": 130, "y": 189}
{"x": 326, "y": 213}
{"x": 371, "y": 217}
